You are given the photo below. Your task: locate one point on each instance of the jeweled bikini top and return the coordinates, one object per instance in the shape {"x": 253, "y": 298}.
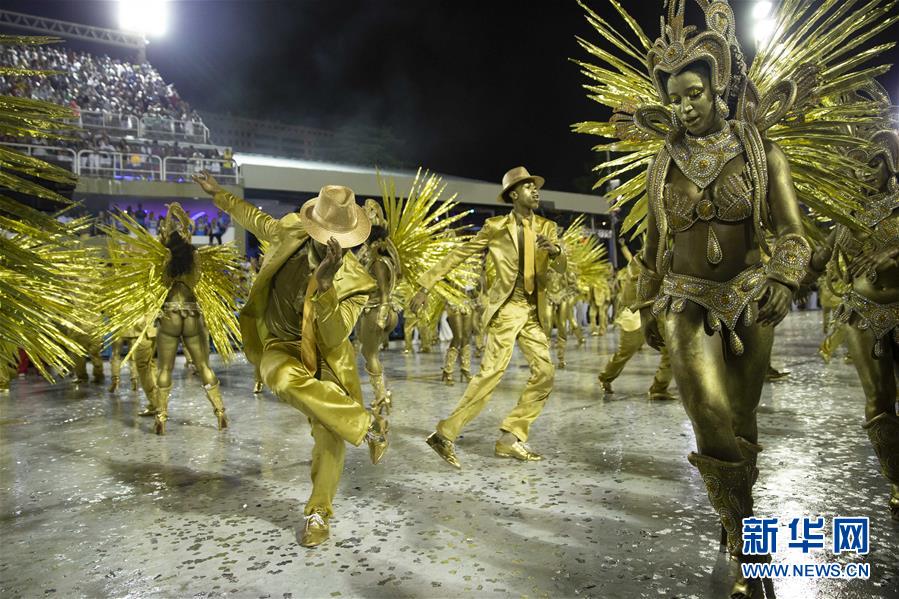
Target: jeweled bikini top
{"x": 701, "y": 160}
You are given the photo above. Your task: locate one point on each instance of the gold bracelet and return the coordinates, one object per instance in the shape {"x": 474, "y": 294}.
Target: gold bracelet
{"x": 790, "y": 259}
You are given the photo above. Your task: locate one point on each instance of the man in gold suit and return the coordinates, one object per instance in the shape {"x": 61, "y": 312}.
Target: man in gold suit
{"x": 296, "y": 326}
{"x": 521, "y": 246}
{"x": 630, "y": 337}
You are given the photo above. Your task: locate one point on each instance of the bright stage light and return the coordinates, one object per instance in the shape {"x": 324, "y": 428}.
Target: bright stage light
{"x": 149, "y": 17}
{"x": 761, "y": 10}
{"x": 763, "y": 31}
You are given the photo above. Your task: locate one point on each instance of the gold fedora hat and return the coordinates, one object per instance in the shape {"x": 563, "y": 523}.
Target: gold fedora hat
{"x": 515, "y": 176}
{"x": 334, "y": 213}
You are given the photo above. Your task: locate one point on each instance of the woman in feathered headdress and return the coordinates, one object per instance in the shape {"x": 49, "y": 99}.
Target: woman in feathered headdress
{"x": 728, "y": 150}
{"x": 869, "y": 313}
{"x": 380, "y": 315}
{"x": 181, "y": 317}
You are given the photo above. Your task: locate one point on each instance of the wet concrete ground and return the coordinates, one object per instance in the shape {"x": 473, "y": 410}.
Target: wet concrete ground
{"x": 93, "y": 504}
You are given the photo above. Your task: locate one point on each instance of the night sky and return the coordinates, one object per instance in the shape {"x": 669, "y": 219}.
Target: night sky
{"x": 472, "y": 88}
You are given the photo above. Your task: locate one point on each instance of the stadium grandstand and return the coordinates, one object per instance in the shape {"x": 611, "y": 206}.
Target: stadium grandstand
{"x": 139, "y": 142}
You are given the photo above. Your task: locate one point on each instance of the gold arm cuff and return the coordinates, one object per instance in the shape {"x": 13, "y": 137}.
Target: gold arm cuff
{"x": 790, "y": 259}
{"x": 648, "y": 281}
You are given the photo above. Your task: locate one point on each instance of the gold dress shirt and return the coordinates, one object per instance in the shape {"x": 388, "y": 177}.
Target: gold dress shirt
{"x": 284, "y": 312}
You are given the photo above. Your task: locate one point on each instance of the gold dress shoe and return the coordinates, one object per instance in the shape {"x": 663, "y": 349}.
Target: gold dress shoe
{"x": 517, "y": 450}
{"x": 114, "y": 385}
{"x": 606, "y": 386}
{"x": 376, "y": 437}
{"x": 316, "y": 530}
{"x": 663, "y": 395}
{"x": 444, "y": 449}
{"x": 775, "y": 375}
{"x": 148, "y": 411}
{"x": 257, "y": 388}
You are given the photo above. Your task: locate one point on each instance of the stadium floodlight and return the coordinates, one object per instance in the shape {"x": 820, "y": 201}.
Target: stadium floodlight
{"x": 148, "y": 17}
{"x": 761, "y": 10}
{"x": 763, "y": 31}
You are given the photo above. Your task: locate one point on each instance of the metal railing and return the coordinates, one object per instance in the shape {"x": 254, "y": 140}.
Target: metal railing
{"x": 130, "y": 166}
{"x": 179, "y": 169}
{"x": 148, "y": 127}
{"x": 64, "y": 157}
{"x": 118, "y": 165}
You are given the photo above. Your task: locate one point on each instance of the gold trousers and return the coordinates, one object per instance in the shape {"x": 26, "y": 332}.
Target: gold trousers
{"x": 834, "y": 340}
{"x": 93, "y": 347}
{"x": 335, "y": 417}
{"x": 629, "y": 343}
{"x": 142, "y": 363}
{"x": 515, "y": 320}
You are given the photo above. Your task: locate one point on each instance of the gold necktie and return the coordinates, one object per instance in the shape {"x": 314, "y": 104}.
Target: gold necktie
{"x": 530, "y": 243}
{"x": 307, "y": 339}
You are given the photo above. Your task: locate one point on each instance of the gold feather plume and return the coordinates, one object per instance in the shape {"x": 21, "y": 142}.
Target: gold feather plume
{"x": 420, "y": 225}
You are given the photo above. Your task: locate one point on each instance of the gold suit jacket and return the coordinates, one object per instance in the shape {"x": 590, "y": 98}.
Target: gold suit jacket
{"x": 336, "y": 310}
{"x": 499, "y": 237}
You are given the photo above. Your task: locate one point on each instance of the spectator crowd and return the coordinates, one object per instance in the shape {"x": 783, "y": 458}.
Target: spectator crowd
{"x": 125, "y": 93}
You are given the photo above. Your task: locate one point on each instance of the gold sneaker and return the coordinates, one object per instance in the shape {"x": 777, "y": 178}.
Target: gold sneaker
{"x": 517, "y": 450}
{"x": 444, "y": 449}
{"x": 316, "y": 530}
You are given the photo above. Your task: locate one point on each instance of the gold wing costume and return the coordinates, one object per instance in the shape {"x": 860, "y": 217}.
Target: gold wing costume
{"x": 46, "y": 273}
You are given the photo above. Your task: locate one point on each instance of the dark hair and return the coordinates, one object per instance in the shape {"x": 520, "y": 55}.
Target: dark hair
{"x": 183, "y": 253}
{"x": 377, "y": 233}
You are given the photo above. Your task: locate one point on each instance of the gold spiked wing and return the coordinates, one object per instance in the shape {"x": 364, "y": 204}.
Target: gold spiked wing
{"x": 45, "y": 272}
{"x": 586, "y": 256}
{"x": 805, "y": 91}
{"x": 420, "y": 225}
{"x": 217, "y": 293}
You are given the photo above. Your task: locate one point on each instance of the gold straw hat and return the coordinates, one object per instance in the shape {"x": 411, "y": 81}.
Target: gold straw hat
{"x": 515, "y": 176}
{"x": 334, "y": 213}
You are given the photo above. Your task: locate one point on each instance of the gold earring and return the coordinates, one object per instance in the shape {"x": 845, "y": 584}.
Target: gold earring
{"x": 721, "y": 107}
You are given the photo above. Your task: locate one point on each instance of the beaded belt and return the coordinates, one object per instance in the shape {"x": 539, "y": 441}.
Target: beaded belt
{"x": 182, "y": 308}
{"x": 725, "y": 303}
{"x": 879, "y": 318}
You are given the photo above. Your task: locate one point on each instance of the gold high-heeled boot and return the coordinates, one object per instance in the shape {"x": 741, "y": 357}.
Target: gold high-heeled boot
{"x": 560, "y": 353}
{"x": 114, "y": 384}
{"x": 449, "y": 364}
{"x": 883, "y": 431}
{"x": 750, "y": 452}
{"x": 215, "y": 398}
{"x": 729, "y": 486}
{"x": 162, "y": 409}
{"x": 381, "y": 403}
{"x": 465, "y": 363}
